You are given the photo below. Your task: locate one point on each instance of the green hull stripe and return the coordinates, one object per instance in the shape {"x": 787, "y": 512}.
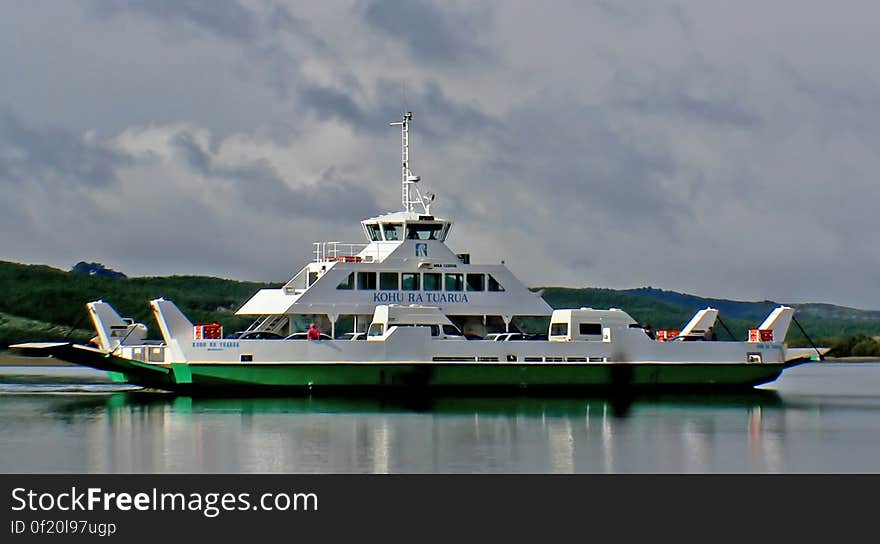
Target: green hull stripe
{"x": 485, "y": 374}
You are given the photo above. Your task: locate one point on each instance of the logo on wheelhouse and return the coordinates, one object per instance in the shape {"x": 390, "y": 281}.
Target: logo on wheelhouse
{"x": 421, "y": 250}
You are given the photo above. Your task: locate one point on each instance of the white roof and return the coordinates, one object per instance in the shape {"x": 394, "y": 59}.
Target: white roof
{"x": 268, "y": 301}
{"x": 401, "y": 216}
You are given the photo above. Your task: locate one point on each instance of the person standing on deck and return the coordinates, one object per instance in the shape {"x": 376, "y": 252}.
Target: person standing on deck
{"x": 314, "y": 333}
{"x": 710, "y": 335}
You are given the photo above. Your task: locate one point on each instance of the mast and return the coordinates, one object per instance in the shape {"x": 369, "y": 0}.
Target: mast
{"x": 408, "y": 179}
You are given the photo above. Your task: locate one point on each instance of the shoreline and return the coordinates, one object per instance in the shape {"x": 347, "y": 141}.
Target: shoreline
{"x": 10, "y": 359}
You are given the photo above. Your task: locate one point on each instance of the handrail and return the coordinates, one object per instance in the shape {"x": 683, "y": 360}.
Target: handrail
{"x": 331, "y": 251}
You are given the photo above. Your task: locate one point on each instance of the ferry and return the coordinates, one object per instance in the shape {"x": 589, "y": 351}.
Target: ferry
{"x": 403, "y": 312}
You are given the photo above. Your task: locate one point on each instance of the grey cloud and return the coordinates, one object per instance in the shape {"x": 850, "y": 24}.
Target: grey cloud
{"x": 259, "y": 32}
{"x": 53, "y": 154}
{"x": 850, "y": 104}
{"x": 228, "y": 19}
{"x": 698, "y": 93}
{"x": 431, "y": 34}
{"x": 259, "y": 184}
{"x": 679, "y": 102}
{"x": 439, "y": 115}
{"x": 330, "y": 103}
{"x": 584, "y": 163}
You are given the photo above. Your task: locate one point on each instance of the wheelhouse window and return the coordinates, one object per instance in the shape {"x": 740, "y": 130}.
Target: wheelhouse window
{"x": 494, "y": 285}
{"x": 476, "y": 282}
{"x": 591, "y": 328}
{"x": 388, "y": 281}
{"x": 424, "y": 231}
{"x": 376, "y": 329}
{"x": 347, "y": 283}
{"x": 366, "y": 281}
{"x": 393, "y": 231}
{"x": 373, "y": 232}
{"x": 409, "y": 282}
{"x": 432, "y": 281}
{"x": 559, "y": 329}
{"x": 454, "y": 282}
{"x": 450, "y": 330}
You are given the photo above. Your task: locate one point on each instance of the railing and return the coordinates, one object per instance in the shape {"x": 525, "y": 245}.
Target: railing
{"x": 341, "y": 251}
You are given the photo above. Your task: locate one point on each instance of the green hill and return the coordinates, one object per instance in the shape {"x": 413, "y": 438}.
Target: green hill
{"x": 44, "y": 303}
{"x": 39, "y": 300}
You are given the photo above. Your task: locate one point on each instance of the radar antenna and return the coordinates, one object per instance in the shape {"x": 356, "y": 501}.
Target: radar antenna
{"x": 410, "y": 195}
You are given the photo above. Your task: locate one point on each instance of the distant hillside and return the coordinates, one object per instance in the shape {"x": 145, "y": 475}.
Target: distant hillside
{"x": 49, "y": 298}
{"x": 821, "y": 321}
{"x": 755, "y": 310}
{"x": 732, "y": 308}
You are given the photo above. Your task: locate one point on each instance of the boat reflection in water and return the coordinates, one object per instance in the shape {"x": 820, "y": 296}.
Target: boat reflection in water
{"x": 153, "y": 432}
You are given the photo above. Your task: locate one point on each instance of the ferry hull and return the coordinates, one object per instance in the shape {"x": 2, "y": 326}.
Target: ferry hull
{"x": 411, "y": 376}
{"x": 477, "y": 376}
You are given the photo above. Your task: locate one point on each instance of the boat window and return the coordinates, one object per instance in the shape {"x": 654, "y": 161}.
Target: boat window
{"x": 454, "y": 282}
{"x": 388, "y": 281}
{"x": 366, "y": 281}
{"x": 373, "y": 232}
{"x": 450, "y": 330}
{"x": 591, "y": 328}
{"x": 313, "y": 277}
{"x": 393, "y": 231}
{"x": 494, "y": 285}
{"x": 409, "y": 282}
{"x": 476, "y": 282}
{"x": 347, "y": 283}
{"x": 424, "y": 231}
{"x": 559, "y": 329}
{"x": 432, "y": 281}
{"x": 376, "y": 329}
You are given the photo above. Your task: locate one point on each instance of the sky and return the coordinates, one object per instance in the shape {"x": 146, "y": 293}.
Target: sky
{"x": 723, "y": 149}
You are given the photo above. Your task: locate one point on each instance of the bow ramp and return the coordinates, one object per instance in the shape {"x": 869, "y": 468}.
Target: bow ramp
{"x": 778, "y": 321}
{"x": 113, "y": 330}
{"x": 700, "y": 323}
{"x": 172, "y": 323}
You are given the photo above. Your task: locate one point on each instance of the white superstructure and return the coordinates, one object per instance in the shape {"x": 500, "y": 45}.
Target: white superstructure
{"x": 405, "y": 261}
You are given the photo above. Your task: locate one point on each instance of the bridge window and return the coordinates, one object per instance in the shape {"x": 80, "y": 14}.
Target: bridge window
{"x": 476, "y": 282}
{"x": 494, "y": 285}
{"x": 409, "y": 282}
{"x": 366, "y": 281}
{"x": 388, "y": 281}
{"x": 347, "y": 283}
{"x": 450, "y": 330}
{"x": 559, "y": 329}
{"x": 591, "y": 328}
{"x": 373, "y": 232}
{"x": 393, "y": 231}
{"x": 376, "y": 329}
{"x": 454, "y": 282}
{"x": 432, "y": 281}
{"x": 424, "y": 231}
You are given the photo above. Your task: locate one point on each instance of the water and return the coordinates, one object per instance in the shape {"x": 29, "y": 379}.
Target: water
{"x": 817, "y": 418}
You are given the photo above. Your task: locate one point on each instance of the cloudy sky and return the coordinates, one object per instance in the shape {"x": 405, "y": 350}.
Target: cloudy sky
{"x": 726, "y": 149}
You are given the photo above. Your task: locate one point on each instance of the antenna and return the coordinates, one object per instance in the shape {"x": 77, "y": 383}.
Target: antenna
{"x": 408, "y": 179}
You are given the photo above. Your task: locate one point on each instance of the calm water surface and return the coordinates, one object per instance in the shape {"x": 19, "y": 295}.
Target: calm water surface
{"x": 820, "y": 417}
